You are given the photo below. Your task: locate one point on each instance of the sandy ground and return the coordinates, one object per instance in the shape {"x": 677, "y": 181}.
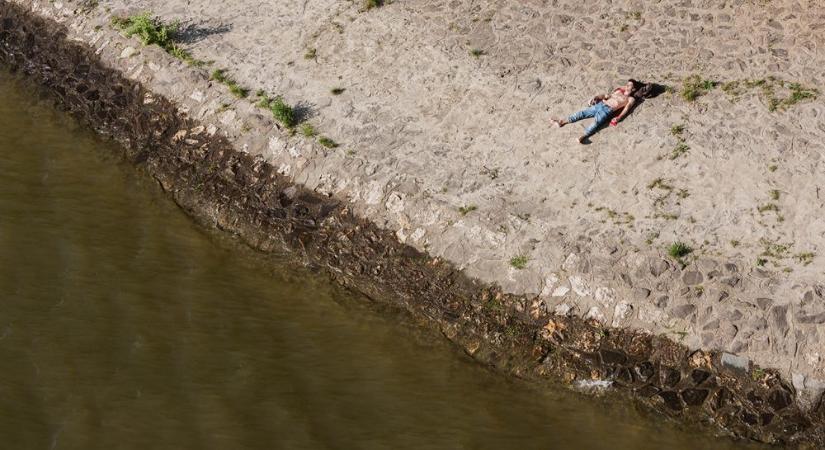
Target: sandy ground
{"x": 473, "y": 131}
{"x": 427, "y": 128}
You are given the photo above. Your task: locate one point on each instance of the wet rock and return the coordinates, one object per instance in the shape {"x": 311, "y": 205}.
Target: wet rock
{"x": 779, "y": 399}
{"x": 644, "y": 371}
{"x": 640, "y": 293}
{"x": 613, "y": 357}
{"x": 694, "y": 397}
{"x": 672, "y": 400}
{"x": 698, "y": 376}
{"x": 692, "y": 278}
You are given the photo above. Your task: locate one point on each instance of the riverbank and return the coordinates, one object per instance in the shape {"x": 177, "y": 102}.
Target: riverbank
{"x": 227, "y": 163}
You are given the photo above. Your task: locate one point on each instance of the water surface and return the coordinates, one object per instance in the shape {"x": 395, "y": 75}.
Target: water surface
{"x": 124, "y": 325}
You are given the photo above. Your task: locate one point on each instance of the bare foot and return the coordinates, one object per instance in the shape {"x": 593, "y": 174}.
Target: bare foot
{"x": 559, "y": 122}
{"x": 583, "y": 140}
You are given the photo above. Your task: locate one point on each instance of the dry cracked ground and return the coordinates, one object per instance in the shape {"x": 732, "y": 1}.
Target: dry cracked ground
{"x": 441, "y": 109}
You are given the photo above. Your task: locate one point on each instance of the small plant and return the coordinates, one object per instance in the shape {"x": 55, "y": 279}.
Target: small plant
{"x": 220, "y": 76}
{"x": 327, "y": 142}
{"x": 734, "y": 243}
{"x": 680, "y": 149}
{"x": 308, "y": 130}
{"x": 683, "y": 193}
{"x": 757, "y": 374}
{"x": 660, "y": 183}
{"x": 464, "y": 210}
{"x": 311, "y": 53}
{"x": 679, "y": 250}
{"x": 772, "y": 168}
{"x": 760, "y": 262}
{"x": 280, "y": 110}
{"x": 804, "y": 258}
{"x": 677, "y": 130}
{"x": 769, "y": 207}
{"x": 695, "y": 86}
{"x": 774, "y": 194}
{"x": 477, "y": 52}
{"x": 152, "y": 30}
{"x": 337, "y": 91}
{"x": 369, "y": 4}
{"x": 518, "y": 262}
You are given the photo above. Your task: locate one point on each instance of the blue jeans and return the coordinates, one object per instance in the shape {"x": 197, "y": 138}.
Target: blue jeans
{"x": 600, "y": 111}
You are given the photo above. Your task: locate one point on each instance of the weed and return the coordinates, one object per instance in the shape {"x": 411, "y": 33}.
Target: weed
{"x": 680, "y": 149}
{"x": 337, "y": 91}
{"x": 623, "y": 28}
{"x": 757, "y": 374}
{"x": 677, "y": 130}
{"x": 369, "y": 4}
{"x": 280, "y": 110}
{"x": 327, "y": 142}
{"x": 308, "y": 130}
{"x": 153, "y": 31}
{"x": 768, "y": 207}
{"x": 311, "y": 54}
{"x": 695, "y": 86}
{"x": 760, "y": 262}
{"x": 220, "y": 76}
{"x": 477, "y": 52}
{"x": 467, "y": 209}
{"x": 679, "y": 250}
{"x": 772, "y": 168}
{"x": 805, "y": 258}
{"x": 734, "y": 243}
{"x": 518, "y": 262}
{"x": 660, "y": 183}
{"x": 683, "y": 193}
{"x": 774, "y": 194}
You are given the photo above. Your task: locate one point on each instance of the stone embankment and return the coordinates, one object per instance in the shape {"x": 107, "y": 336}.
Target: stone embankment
{"x": 439, "y": 189}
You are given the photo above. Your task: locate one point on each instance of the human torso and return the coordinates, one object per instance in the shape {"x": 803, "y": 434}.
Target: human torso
{"x": 617, "y": 100}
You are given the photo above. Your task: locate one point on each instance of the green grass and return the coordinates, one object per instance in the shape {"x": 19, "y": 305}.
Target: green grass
{"x": 476, "y": 52}
{"x": 464, "y": 210}
{"x": 695, "y": 86}
{"x": 152, "y": 30}
{"x": 311, "y": 54}
{"x": 281, "y": 111}
{"x": 308, "y": 130}
{"x": 660, "y": 183}
{"x": 327, "y": 142}
{"x": 519, "y": 262}
{"x": 677, "y": 130}
{"x": 679, "y": 250}
{"x": 768, "y": 207}
{"x": 220, "y": 76}
{"x": 370, "y": 4}
{"x": 680, "y": 149}
{"x": 805, "y": 258}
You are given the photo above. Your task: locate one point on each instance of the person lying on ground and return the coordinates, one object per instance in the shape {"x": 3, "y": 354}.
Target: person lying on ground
{"x": 603, "y": 107}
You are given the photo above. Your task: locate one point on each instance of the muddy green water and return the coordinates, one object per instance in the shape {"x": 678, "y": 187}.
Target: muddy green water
{"x": 125, "y": 325}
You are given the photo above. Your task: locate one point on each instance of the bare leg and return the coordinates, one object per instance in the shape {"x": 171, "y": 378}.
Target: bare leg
{"x": 559, "y": 122}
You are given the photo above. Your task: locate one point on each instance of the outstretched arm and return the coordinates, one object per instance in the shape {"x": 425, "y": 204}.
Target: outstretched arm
{"x": 630, "y": 102}
{"x": 598, "y": 98}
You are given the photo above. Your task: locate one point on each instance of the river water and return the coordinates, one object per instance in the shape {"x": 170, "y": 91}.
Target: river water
{"x": 125, "y": 325}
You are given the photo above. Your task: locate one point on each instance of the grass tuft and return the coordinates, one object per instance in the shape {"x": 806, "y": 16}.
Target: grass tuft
{"x": 518, "y": 262}
{"x": 152, "y": 30}
{"x": 695, "y": 86}
{"x": 282, "y": 112}
{"x": 327, "y": 142}
{"x": 464, "y": 210}
{"x": 308, "y": 130}
{"x": 679, "y": 250}
{"x": 220, "y": 76}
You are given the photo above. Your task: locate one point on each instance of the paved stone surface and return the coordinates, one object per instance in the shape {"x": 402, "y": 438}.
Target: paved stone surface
{"x": 425, "y": 129}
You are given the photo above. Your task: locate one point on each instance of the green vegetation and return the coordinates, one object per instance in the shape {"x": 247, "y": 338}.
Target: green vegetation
{"x": 660, "y": 183}
{"x": 308, "y": 130}
{"x": 677, "y": 130}
{"x": 680, "y": 149}
{"x": 327, "y": 142}
{"x": 282, "y": 112}
{"x": 774, "y": 194}
{"x": 467, "y": 209}
{"x": 772, "y": 168}
{"x": 768, "y": 87}
{"x": 734, "y": 243}
{"x": 679, "y": 250}
{"x": 153, "y": 31}
{"x": 477, "y": 52}
{"x": 695, "y": 86}
{"x": 220, "y": 76}
{"x": 805, "y": 258}
{"x": 768, "y": 207}
{"x": 369, "y": 4}
{"x": 311, "y": 54}
{"x": 518, "y": 262}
